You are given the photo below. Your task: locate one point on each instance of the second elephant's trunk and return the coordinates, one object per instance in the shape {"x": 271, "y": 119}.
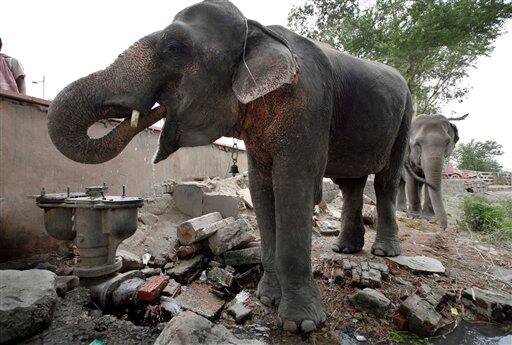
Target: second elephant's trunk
{"x": 432, "y": 168}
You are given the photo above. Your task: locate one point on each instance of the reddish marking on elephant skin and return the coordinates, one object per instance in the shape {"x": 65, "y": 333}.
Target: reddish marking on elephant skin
{"x": 268, "y": 122}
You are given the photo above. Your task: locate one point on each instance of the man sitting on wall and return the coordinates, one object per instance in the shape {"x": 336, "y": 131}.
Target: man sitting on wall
{"x": 12, "y": 76}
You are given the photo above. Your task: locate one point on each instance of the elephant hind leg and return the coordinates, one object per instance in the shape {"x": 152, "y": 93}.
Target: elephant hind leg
{"x": 386, "y": 184}
{"x": 351, "y": 238}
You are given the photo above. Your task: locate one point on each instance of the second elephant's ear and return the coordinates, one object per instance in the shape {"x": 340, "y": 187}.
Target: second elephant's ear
{"x": 269, "y": 64}
{"x": 455, "y": 133}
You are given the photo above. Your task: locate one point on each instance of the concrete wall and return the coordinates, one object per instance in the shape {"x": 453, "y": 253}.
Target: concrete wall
{"x": 29, "y": 161}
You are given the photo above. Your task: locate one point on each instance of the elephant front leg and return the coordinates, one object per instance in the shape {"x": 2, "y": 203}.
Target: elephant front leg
{"x": 351, "y": 238}
{"x": 262, "y": 194}
{"x": 427, "y": 211}
{"x": 301, "y": 306}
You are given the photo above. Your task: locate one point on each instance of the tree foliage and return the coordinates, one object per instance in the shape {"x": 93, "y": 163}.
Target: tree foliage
{"x": 433, "y": 43}
{"x": 478, "y": 155}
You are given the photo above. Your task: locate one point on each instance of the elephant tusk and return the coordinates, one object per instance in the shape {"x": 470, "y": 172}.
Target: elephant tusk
{"x": 135, "y": 118}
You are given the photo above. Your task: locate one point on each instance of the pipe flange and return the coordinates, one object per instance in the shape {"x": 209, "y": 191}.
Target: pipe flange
{"x": 98, "y": 271}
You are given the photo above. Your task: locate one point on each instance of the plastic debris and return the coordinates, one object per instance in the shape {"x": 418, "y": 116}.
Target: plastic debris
{"x": 145, "y": 258}
{"x": 203, "y": 277}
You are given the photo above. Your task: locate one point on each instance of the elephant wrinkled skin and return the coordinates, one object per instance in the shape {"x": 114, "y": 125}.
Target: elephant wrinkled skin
{"x": 432, "y": 139}
{"x": 304, "y": 110}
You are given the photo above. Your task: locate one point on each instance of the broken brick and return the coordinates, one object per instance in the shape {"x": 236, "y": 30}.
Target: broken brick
{"x": 152, "y": 288}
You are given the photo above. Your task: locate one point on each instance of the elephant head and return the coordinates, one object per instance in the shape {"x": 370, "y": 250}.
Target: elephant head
{"x": 432, "y": 139}
{"x": 202, "y": 69}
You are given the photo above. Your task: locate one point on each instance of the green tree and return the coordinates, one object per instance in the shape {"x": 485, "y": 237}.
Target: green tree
{"x": 478, "y": 155}
{"x": 433, "y": 43}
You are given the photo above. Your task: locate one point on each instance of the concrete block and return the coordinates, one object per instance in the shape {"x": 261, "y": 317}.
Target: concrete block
{"x": 188, "y": 197}
{"x": 227, "y": 205}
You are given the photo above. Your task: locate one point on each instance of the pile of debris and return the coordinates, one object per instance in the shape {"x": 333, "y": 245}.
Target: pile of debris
{"x": 215, "y": 259}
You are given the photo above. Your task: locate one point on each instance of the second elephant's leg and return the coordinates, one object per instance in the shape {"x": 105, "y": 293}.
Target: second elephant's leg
{"x": 301, "y": 306}
{"x": 262, "y": 194}
{"x": 413, "y": 196}
{"x": 427, "y": 210}
{"x": 351, "y": 238}
{"x": 401, "y": 200}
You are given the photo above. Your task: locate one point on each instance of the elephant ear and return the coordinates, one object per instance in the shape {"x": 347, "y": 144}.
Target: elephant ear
{"x": 268, "y": 64}
{"x": 455, "y": 133}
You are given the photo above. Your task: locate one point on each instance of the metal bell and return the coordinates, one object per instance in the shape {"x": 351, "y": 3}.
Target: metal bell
{"x": 233, "y": 170}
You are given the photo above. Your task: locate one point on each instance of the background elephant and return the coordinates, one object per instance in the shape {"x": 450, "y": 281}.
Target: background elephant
{"x": 304, "y": 110}
{"x": 432, "y": 139}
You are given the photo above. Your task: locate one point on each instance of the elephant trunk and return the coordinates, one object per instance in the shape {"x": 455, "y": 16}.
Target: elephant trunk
{"x": 78, "y": 107}
{"x": 432, "y": 168}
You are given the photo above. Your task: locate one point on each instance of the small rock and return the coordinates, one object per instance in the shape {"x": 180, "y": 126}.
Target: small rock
{"x": 231, "y": 236}
{"x": 422, "y": 264}
{"x": 382, "y": 267}
{"x": 328, "y": 228}
{"x": 371, "y": 301}
{"x": 369, "y": 214}
{"x": 434, "y": 296}
{"x": 169, "y": 305}
{"x": 172, "y": 288}
{"x": 503, "y": 274}
{"x": 159, "y": 261}
{"x": 422, "y": 318}
{"x": 152, "y": 288}
{"x": 494, "y": 305}
{"x": 190, "y": 328}
{"x": 199, "y": 299}
{"x": 65, "y": 283}
{"x": 360, "y": 338}
{"x": 150, "y": 272}
{"x": 401, "y": 281}
{"x": 185, "y": 268}
{"x": 199, "y": 228}
{"x": 130, "y": 261}
{"x": 220, "y": 276}
{"x": 239, "y": 312}
{"x": 246, "y": 256}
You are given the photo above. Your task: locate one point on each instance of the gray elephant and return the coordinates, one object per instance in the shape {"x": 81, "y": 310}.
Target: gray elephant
{"x": 432, "y": 139}
{"x": 304, "y": 110}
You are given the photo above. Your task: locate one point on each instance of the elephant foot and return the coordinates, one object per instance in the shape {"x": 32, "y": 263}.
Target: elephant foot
{"x": 349, "y": 242}
{"x": 389, "y": 247}
{"x": 301, "y": 310}
{"x": 428, "y": 215}
{"x": 269, "y": 291}
{"x": 414, "y": 214}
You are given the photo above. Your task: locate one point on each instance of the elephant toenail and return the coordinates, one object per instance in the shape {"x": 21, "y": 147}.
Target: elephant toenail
{"x": 290, "y": 326}
{"x": 378, "y": 252}
{"x": 307, "y": 326}
{"x": 335, "y": 248}
{"x": 266, "y": 301}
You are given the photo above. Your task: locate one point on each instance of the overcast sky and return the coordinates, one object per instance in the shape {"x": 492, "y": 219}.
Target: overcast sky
{"x": 65, "y": 40}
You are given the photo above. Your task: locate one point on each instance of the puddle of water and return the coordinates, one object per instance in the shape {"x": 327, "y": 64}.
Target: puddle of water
{"x": 476, "y": 334}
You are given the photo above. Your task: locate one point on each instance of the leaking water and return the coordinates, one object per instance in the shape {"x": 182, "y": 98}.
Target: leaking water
{"x": 476, "y": 334}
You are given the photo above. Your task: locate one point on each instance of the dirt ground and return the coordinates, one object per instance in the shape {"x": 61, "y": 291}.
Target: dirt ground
{"x": 468, "y": 262}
